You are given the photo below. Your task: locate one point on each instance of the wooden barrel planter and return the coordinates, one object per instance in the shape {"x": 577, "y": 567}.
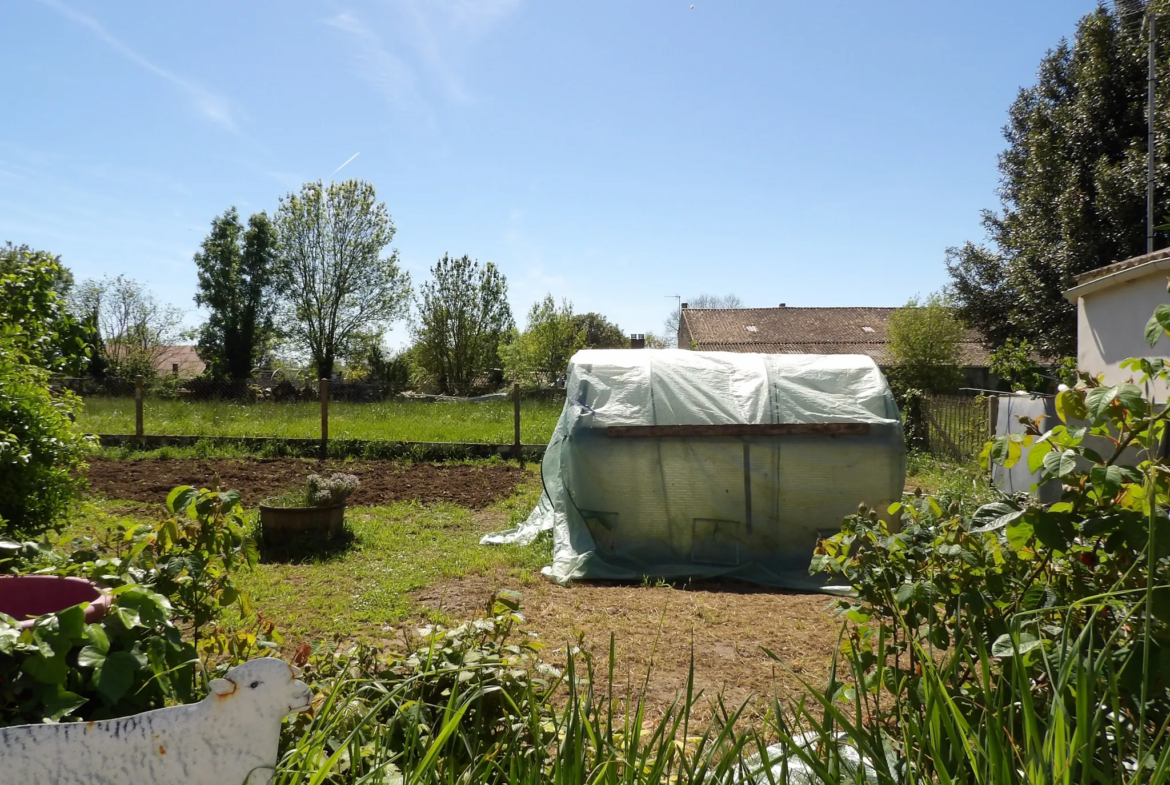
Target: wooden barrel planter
{"x": 280, "y": 525}
{"x": 22, "y": 596}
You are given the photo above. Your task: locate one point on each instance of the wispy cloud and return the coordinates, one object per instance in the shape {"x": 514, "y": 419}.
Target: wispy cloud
{"x": 211, "y": 105}
{"x": 432, "y": 37}
{"x": 384, "y": 70}
{"x": 439, "y": 28}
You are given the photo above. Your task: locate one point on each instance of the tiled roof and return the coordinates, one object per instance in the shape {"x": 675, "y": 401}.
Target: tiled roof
{"x": 805, "y": 331}
{"x": 1125, "y": 264}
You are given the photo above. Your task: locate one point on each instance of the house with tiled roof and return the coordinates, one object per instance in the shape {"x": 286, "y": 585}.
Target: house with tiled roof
{"x": 787, "y": 330}
{"x": 1113, "y": 305}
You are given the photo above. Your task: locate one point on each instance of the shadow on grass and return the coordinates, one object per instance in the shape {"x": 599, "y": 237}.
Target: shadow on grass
{"x": 307, "y": 548}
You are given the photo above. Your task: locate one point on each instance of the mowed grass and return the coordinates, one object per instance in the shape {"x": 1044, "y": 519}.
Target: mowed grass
{"x": 356, "y": 590}
{"x": 409, "y": 421}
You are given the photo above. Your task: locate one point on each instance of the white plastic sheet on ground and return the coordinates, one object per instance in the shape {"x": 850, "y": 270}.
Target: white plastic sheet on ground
{"x": 742, "y": 507}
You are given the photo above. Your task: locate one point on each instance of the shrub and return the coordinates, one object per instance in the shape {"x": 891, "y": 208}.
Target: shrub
{"x": 182, "y": 569}
{"x": 40, "y": 451}
{"x": 64, "y": 669}
{"x": 1026, "y": 625}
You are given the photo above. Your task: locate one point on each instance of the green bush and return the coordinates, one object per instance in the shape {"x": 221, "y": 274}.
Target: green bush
{"x": 64, "y": 669}
{"x": 181, "y": 569}
{"x": 40, "y": 450}
{"x": 1040, "y": 628}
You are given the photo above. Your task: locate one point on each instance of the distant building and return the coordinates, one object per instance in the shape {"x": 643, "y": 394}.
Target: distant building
{"x": 179, "y": 361}
{"x": 1113, "y": 305}
{"x": 831, "y": 330}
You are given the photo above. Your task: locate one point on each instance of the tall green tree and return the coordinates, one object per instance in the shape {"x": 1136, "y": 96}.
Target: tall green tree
{"x": 134, "y": 329}
{"x": 34, "y": 288}
{"x": 236, "y": 283}
{"x": 923, "y": 339}
{"x": 337, "y": 279}
{"x": 463, "y": 314}
{"x": 1072, "y": 181}
{"x": 600, "y": 333}
{"x": 541, "y": 353}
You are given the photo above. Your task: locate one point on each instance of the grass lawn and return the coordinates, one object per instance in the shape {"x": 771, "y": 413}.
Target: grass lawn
{"x": 356, "y": 590}
{"x": 411, "y": 421}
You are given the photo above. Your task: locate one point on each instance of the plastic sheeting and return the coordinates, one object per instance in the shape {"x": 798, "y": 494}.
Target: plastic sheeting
{"x": 746, "y": 506}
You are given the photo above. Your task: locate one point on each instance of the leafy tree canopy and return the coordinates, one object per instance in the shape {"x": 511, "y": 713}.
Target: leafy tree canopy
{"x": 463, "y": 313}
{"x": 33, "y": 287}
{"x": 336, "y": 280}
{"x": 235, "y": 268}
{"x": 923, "y": 341}
{"x": 133, "y": 328}
{"x": 1073, "y": 182}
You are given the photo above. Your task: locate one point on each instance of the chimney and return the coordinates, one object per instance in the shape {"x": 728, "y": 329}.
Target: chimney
{"x": 684, "y": 306}
{"x": 637, "y": 340}
{"x": 783, "y": 305}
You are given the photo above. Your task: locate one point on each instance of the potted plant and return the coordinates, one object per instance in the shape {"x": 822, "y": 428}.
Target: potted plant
{"x": 318, "y": 507}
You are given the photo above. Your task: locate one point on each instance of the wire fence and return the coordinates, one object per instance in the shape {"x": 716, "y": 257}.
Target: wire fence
{"x": 302, "y": 408}
{"x": 948, "y": 426}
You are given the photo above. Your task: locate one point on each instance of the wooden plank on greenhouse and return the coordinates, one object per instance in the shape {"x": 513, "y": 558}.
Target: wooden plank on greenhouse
{"x": 745, "y": 429}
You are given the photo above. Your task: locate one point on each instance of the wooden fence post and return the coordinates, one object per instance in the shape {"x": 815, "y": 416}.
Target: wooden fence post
{"x": 138, "y": 429}
{"x": 992, "y": 415}
{"x": 324, "y": 386}
{"x": 516, "y": 448}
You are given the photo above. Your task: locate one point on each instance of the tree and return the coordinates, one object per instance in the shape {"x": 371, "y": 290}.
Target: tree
{"x": 41, "y": 452}
{"x": 600, "y": 333}
{"x": 1014, "y": 363}
{"x": 541, "y": 353}
{"x": 235, "y": 268}
{"x": 463, "y": 313}
{"x": 1072, "y": 184}
{"x": 670, "y": 326}
{"x": 33, "y": 287}
{"x": 922, "y": 339}
{"x": 134, "y": 330}
{"x": 332, "y": 270}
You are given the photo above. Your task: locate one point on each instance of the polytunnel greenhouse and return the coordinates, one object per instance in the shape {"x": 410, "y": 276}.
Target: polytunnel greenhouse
{"x": 680, "y": 464}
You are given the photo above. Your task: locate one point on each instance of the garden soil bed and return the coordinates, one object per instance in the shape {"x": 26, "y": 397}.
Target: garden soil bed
{"x": 728, "y": 623}
{"x": 382, "y": 482}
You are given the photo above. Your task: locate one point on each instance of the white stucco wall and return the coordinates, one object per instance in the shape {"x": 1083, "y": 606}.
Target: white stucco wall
{"x": 1111, "y": 325}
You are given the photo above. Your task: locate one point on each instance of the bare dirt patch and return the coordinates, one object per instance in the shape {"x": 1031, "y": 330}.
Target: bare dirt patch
{"x": 728, "y": 624}
{"x": 382, "y": 482}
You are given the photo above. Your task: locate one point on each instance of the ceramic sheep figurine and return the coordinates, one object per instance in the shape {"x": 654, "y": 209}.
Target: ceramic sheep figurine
{"x": 228, "y": 738}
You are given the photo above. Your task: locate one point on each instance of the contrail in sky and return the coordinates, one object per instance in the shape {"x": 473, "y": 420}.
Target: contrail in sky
{"x": 338, "y": 169}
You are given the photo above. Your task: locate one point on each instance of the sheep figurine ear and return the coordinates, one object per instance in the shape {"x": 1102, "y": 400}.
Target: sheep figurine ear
{"x": 222, "y": 687}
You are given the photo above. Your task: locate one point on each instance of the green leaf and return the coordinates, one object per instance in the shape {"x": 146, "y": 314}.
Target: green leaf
{"x": 1070, "y": 405}
{"x": 92, "y": 657}
{"x": 1158, "y": 325}
{"x": 117, "y": 675}
{"x": 1060, "y": 464}
{"x": 57, "y": 702}
{"x": 1106, "y": 480}
{"x": 1034, "y": 597}
{"x": 993, "y": 516}
{"x": 1003, "y": 646}
{"x": 904, "y": 594}
{"x": 180, "y": 498}
{"x": 1036, "y": 455}
{"x": 1019, "y": 533}
{"x": 71, "y": 623}
{"x": 46, "y": 670}
{"x": 1052, "y": 530}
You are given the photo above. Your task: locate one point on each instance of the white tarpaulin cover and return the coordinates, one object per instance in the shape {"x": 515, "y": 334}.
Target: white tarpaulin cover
{"x": 743, "y": 505}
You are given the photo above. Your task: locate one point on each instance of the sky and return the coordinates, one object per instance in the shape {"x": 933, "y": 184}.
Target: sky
{"x": 612, "y": 152}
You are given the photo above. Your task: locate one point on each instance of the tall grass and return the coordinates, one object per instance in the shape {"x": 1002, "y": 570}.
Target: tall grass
{"x": 971, "y": 720}
{"x": 488, "y": 423}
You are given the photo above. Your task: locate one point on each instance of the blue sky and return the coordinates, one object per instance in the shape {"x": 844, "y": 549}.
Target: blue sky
{"x": 612, "y": 152}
